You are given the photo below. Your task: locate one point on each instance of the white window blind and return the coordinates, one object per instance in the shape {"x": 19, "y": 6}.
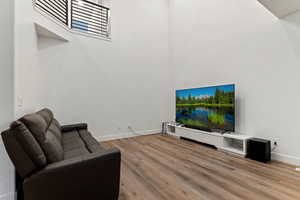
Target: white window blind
{"x": 89, "y": 17}
{"x": 57, "y": 9}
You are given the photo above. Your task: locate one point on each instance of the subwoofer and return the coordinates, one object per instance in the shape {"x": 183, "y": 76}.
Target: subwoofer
{"x": 259, "y": 149}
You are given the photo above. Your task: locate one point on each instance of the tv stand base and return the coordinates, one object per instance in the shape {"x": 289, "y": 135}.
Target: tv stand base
{"x": 233, "y": 143}
{"x": 211, "y": 138}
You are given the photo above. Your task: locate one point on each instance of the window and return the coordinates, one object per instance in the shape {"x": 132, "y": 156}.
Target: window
{"x": 90, "y": 17}
{"x": 82, "y": 16}
{"x": 57, "y": 9}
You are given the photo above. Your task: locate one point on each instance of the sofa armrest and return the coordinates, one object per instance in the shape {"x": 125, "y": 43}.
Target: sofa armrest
{"x": 93, "y": 176}
{"x": 71, "y": 127}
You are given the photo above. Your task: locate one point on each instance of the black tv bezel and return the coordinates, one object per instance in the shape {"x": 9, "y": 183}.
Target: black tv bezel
{"x": 210, "y": 130}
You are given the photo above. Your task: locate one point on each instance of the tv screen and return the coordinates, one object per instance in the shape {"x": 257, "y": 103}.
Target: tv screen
{"x": 208, "y": 108}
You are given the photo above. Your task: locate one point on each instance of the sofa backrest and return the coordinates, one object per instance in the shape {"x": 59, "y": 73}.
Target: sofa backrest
{"x": 34, "y": 141}
{"x": 20, "y": 158}
{"x": 48, "y": 135}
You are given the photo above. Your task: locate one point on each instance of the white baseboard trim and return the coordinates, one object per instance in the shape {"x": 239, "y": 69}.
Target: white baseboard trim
{"x": 127, "y": 135}
{"x": 293, "y": 160}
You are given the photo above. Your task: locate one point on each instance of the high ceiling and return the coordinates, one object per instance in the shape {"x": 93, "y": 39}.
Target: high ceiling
{"x": 281, "y": 8}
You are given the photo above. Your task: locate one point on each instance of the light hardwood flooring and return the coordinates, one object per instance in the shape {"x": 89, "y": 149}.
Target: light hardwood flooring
{"x": 160, "y": 167}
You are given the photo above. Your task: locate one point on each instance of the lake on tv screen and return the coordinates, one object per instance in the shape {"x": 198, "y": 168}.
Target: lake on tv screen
{"x": 209, "y": 108}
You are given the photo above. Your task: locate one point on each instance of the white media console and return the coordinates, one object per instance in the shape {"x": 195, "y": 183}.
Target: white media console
{"x": 233, "y": 143}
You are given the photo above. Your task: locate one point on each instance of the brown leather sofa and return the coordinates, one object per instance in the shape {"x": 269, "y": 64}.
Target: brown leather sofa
{"x": 61, "y": 162}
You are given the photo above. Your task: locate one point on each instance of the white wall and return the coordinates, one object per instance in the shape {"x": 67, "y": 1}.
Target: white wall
{"x": 6, "y": 97}
{"x": 110, "y": 85}
{"x": 232, "y": 41}
{"x": 291, "y": 25}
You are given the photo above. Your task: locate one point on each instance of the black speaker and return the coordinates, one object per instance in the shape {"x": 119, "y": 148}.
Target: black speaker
{"x": 259, "y": 149}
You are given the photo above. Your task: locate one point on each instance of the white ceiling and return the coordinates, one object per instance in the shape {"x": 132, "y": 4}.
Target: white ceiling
{"x": 281, "y": 8}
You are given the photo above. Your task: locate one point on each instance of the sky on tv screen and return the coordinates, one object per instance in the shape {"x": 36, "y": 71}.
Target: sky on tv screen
{"x": 204, "y": 92}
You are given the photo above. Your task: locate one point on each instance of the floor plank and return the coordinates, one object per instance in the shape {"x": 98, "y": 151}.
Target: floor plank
{"x": 161, "y": 167}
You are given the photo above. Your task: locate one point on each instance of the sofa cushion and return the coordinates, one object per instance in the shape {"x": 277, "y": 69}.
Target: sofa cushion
{"x": 17, "y": 154}
{"x": 91, "y": 143}
{"x": 46, "y": 114}
{"x": 29, "y": 144}
{"x": 71, "y": 141}
{"x": 37, "y": 126}
{"x": 73, "y": 145}
{"x": 53, "y": 148}
{"x": 46, "y": 133}
{"x": 75, "y": 153}
{"x": 55, "y": 128}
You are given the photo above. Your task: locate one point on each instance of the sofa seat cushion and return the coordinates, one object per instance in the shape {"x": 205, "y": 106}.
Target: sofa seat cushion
{"x": 73, "y": 153}
{"x": 53, "y": 148}
{"x": 91, "y": 143}
{"x": 73, "y": 145}
{"x": 72, "y": 140}
{"x": 79, "y": 142}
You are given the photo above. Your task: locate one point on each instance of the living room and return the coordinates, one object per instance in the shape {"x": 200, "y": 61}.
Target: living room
{"x": 122, "y": 83}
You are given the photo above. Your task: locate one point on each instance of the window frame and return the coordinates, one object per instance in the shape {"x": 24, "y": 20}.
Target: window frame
{"x": 68, "y": 25}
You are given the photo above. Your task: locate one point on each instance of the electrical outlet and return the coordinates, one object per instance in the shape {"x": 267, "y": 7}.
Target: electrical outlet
{"x": 275, "y": 142}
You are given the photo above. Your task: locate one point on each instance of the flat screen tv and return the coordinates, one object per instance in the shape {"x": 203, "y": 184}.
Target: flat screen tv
{"x": 209, "y": 108}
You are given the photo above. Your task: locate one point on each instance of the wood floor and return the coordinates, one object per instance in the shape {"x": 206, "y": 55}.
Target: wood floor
{"x": 160, "y": 167}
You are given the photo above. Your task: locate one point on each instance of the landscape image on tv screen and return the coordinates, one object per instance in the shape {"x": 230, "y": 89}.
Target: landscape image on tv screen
{"x": 209, "y": 108}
